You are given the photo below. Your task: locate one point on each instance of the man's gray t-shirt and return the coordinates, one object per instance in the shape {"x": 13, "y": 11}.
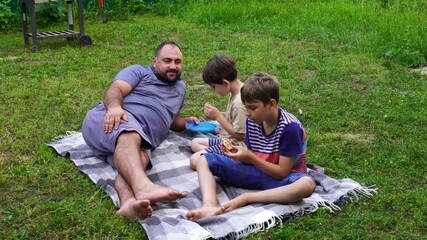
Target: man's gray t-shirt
{"x": 152, "y": 102}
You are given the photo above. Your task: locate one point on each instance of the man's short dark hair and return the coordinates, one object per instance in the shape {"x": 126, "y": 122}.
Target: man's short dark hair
{"x": 262, "y": 87}
{"x": 218, "y": 68}
{"x": 160, "y": 47}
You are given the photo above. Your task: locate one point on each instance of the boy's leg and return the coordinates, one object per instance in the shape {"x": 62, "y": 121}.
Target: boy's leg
{"x": 198, "y": 144}
{"x": 235, "y": 173}
{"x": 208, "y": 188}
{"x": 291, "y": 193}
{"x": 213, "y": 145}
{"x": 194, "y": 158}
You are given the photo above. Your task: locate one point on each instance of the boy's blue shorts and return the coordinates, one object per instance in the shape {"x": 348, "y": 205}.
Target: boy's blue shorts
{"x": 245, "y": 176}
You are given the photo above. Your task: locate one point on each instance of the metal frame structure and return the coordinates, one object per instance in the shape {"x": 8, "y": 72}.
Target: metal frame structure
{"x": 69, "y": 34}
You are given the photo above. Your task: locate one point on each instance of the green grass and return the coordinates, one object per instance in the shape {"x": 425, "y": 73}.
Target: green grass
{"x": 364, "y": 111}
{"x": 353, "y": 26}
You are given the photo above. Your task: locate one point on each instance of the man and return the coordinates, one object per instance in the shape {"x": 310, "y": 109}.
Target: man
{"x": 138, "y": 110}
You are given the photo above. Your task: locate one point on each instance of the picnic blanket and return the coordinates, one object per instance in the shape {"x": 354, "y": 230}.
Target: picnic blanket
{"x": 171, "y": 168}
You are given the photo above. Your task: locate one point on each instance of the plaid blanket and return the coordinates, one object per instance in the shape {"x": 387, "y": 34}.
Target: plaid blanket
{"x": 171, "y": 168}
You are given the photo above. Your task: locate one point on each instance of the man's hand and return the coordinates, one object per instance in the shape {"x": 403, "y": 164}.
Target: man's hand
{"x": 180, "y": 123}
{"x": 211, "y": 112}
{"x": 112, "y": 118}
{"x": 188, "y": 120}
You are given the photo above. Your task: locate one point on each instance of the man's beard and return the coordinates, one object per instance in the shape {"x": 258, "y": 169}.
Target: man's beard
{"x": 164, "y": 77}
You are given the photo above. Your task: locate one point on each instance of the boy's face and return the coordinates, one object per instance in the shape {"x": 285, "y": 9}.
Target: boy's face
{"x": 257, "y": 111}
{"x": 222, "y": 89}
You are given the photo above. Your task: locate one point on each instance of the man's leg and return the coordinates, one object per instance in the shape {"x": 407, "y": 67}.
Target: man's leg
{"x": 130, "y": 207}
{"x": 208, "y": 188}
{"x": 291, "y": 193}
{"x": 131, "y": 164}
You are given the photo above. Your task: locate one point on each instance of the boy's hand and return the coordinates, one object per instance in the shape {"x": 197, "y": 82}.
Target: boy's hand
{"x": 211, "y": 112}
{"x": 227, "y": 145}
{"x": 239, "y": 153}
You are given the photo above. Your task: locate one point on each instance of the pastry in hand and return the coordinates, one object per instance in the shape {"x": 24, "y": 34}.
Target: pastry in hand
{"x": 227, "y": 144}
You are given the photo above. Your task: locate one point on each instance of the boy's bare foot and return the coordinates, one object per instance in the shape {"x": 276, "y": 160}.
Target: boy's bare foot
{"x": 133, "y": 208}
{"x": 204, "y": 212}
{"x": 235, "y": 203}
{"x": 156, "y": 193}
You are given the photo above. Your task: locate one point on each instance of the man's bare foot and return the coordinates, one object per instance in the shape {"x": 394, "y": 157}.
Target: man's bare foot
{"x": 156, "y": 193}
{"x": 235, "y": 203}
{"x": 133, "y": 208}
{"x": 204, "y": 212}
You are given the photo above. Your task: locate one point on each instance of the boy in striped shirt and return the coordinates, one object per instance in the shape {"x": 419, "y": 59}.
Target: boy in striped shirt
{"x": 273, "y": 160}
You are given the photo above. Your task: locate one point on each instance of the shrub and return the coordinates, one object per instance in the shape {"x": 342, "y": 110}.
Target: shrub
{"x": 51, "y": 12}
{"x": 8, "y": 19}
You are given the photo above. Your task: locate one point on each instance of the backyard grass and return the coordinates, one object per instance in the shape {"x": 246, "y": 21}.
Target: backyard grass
{"x": 344, "y": 63}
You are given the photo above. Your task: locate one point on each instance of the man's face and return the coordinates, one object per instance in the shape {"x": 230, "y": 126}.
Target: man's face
{"x": 168, "y": 63}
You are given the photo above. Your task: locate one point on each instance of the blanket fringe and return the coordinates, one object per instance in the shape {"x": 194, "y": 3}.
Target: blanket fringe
{"x": 254, "y": 228}
{"x": 331, "y": 207}
{"x": 355, "y": 194}
{"x": 61, "y": 137}
{"x": 352, "y": 195}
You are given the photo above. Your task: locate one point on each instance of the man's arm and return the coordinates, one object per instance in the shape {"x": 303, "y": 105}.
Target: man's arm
{"x": 113, "y": 101}
{"x": 179, "y": 123}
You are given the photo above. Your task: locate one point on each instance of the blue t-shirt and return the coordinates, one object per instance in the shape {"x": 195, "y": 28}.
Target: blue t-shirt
{"x": 152, "y": 102}
{"x": 287, "y": 139}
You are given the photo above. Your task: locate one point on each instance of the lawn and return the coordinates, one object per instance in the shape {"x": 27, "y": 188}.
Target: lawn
{"x": 346, "y": 64}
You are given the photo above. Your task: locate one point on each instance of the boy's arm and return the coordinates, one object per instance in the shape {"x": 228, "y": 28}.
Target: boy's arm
{"x": 213, "y": 113}
{"x": 227, "y": 126}
{"x": 277, "y": 171}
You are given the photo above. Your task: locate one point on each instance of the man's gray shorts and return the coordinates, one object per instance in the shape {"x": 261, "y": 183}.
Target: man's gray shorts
{"x": 103, "y": 144}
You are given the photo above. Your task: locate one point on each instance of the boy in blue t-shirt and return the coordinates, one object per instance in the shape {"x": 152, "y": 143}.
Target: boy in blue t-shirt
{"x": 273, "y": 162}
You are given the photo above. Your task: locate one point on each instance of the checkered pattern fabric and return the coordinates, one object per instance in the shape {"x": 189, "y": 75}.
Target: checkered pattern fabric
{"x": 171, "y": 168}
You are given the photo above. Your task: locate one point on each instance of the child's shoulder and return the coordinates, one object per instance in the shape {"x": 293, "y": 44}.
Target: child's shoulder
{"x": 287, "y": 118}
{"x": 236, "y": 101}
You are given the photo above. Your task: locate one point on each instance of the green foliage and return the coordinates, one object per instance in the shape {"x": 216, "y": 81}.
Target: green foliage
{"x": 51, "y": 12}
{"x": 140, "y": 6}
{"x": 364, "y": 111}
{"x": 402, "y": 6}
{"x": 355, "y": 26}
{"x": 7, "y": 18}
{"x": 124, "y": 9}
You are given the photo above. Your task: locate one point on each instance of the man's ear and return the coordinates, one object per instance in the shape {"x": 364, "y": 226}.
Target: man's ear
{"x": 225, "y": 81}
{"x": 153, "y": 60}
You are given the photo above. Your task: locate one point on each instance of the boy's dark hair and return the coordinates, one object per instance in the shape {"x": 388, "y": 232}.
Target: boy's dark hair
{"x": 159, "y": 48}
{"x": 218, "y": 68}
{"x": 262, "y": 87}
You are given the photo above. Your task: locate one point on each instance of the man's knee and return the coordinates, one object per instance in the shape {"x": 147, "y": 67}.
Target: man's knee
{"x": 128, "y": 138}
